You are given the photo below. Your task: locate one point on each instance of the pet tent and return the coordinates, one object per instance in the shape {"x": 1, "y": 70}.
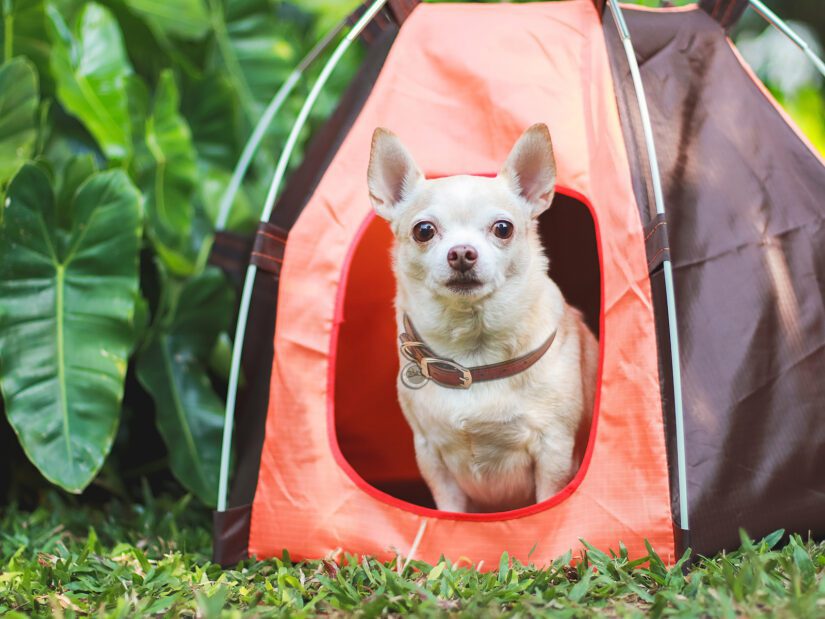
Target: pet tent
{"x": 690, "y": 219}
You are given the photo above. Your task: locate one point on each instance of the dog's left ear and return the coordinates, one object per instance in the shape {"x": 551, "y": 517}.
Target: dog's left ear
{"x": 530, "y": 169}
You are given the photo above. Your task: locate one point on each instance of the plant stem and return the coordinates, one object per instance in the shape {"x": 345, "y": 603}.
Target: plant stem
{"x": 60, "y": 277}
{"x": 230, "y": 59}
{"x": 8, "y": 31}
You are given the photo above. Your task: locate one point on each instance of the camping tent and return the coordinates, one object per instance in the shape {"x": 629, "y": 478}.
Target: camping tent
{"x": 686, "y": 448}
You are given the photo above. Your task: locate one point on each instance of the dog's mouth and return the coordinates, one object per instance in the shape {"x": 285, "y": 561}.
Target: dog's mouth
{"x": 464, "y": 284}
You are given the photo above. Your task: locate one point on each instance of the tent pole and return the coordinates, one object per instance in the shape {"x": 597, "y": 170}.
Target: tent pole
{"x": 778, "y": 23}
{"x": 251, "y": 146}
{"x": 252, "y": 270}
{"x": 329, "y": 67}
{"x": 624, "y": 33}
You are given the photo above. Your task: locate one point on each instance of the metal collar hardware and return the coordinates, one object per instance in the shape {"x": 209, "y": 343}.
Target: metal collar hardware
{"x": 425, "y": 365}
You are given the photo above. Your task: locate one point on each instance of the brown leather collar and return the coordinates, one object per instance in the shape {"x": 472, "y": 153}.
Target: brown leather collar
{"x": 426, "y": 365}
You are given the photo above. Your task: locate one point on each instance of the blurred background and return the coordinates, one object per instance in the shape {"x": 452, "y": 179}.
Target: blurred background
{"x": 182, "y": 84}
{"x": 792, "y": 79}
{"x": 786, "y": 71}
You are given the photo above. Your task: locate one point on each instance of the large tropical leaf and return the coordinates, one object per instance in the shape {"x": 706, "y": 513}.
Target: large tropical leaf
{"x": 211, "y": 110}
{"x": 63, "y": 137}
{"x": 23, "y": 33}
{"x": 185, "y": 19}
{"x": 245, "y": 213}
{"x": 172, "y": 367}
{"x": 67, "y": 304}
{"x": 18, "y": 106}
{"x": 73, "y": 174}
{"x": 256, "y": 47}
{"x": 165, "y": 168}
{"x": 90, "y": 65}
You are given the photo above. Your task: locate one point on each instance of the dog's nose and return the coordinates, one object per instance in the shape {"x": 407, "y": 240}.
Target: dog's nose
{"x": 462, "y": 257}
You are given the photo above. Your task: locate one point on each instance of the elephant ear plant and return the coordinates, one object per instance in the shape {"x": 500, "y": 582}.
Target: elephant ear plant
{"x": 120, "y": 125}
{"x": 69, "y": 285}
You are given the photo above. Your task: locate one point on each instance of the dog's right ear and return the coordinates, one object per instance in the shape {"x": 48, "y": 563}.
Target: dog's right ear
{"x": 392, "y": 173}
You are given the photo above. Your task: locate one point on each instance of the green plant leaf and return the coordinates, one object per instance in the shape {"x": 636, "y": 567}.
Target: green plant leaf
{"x": 243, "y": 217}
{"x": 91, "y": 68}
{"x": 256, "y": 47}
{"x": 23, "y": 33}
{"x": 329, "y": 12}
{"x": 67, "y": 303}
{"x": 18, "y": 111}
{"x": 63, "y": 137}
{"x": 75, "y": 171}
{"x": 807, "y": 108}
{"x": 149, "y": 50}
{"x": 185, "y": 19}
{"x": 165, "y": 168}
{"x": 211, "y": 110}
{"x": 220, "y": 359}
{"x": 172, "y": 367}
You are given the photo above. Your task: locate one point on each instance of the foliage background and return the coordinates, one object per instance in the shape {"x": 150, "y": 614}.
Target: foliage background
{"x": 120, "y": 123}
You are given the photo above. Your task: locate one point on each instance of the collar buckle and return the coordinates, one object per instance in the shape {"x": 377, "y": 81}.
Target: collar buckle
{"x": 448, "y": 373}
{"x": 418, "y": 353}
{"x": 465, "y": 378}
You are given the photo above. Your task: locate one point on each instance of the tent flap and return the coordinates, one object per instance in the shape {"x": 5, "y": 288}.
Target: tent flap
{"x": 746, "y": 229}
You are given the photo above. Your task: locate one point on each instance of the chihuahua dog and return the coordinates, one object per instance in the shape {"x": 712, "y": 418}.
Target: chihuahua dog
{"x": 498, "y": 372}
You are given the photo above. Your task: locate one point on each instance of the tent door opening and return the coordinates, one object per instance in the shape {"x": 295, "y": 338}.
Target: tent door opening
{"x": 370, "y": 432}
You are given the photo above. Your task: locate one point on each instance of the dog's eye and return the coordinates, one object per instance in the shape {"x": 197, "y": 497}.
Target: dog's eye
{"x": 503, "y": 229}
{"x": 423, "y": 231}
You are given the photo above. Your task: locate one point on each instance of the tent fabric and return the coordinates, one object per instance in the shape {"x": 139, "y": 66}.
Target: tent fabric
{"x": 334, "y": 468}
{"x": 232, "y": 252}
{"x": 459, "y": 86}
{"x": 258, "y": 350}
{"x": 746, "y": 229}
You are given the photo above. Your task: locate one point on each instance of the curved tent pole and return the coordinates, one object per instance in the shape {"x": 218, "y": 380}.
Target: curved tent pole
{"x": 624, "y": 33}
{"x": 777, "y": 22}
{"x": 251, "y": 270}
{"x": 261, "y": 127}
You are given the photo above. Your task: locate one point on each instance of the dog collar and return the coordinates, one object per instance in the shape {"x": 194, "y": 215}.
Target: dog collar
{"x": 426, "y": 365}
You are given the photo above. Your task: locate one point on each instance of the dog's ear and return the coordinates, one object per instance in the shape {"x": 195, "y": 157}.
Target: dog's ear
{"x": 392, "y": 173}
{"x": 530, "y": 169}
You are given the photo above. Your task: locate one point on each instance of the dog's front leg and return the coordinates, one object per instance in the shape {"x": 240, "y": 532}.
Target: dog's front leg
{"x": 554, "y": 465}
{"x": 448, "y": 495}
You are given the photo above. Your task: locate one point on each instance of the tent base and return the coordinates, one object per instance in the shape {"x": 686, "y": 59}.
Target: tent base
{"x": 230, "y": 535}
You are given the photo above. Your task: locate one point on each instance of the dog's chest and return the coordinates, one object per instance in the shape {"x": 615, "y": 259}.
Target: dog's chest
{"x": 480, "y": 434}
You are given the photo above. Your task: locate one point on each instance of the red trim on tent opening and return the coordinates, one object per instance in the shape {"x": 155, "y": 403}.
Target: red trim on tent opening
{"x": 374, "y": 492}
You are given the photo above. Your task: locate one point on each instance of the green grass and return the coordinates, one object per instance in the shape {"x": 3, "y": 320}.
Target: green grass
{"x": 66, "y": 558}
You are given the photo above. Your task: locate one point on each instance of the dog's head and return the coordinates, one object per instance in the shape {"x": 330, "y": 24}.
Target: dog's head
{"x": 463, "y": 236}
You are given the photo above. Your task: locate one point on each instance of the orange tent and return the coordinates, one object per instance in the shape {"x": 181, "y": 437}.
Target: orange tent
{"x": 328, "y": 461}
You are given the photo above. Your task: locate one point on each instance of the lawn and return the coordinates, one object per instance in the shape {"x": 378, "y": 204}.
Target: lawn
{"x": 124, "y": 559}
